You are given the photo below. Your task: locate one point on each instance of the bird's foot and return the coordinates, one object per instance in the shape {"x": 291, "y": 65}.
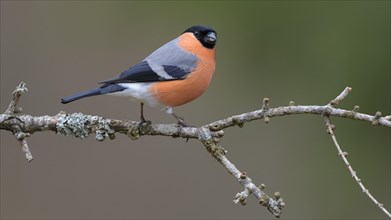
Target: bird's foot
{"x": 181, "y": 122}
{"x": 143, "y": 124}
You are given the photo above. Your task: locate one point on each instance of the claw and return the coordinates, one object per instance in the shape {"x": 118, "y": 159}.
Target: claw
{"x": 180, "y": 120}
{"x": 182, "y": 124}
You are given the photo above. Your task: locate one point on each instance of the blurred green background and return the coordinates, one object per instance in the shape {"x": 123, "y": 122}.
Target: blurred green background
{"x": 306, "y": 51}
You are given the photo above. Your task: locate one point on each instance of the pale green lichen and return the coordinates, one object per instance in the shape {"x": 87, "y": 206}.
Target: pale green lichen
{"x": 80, "y": 125}
{"x": 264, "y": 200}
{"x": 103, "y": 129}
{"x": 73, "y": 125}
{"x": 219, "y": 152}
{"x": 134, "y": 134}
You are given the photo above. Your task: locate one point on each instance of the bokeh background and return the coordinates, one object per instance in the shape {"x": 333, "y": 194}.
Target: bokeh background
{"x": 306, "y": 51}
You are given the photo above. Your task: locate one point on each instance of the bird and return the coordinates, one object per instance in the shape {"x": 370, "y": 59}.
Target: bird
{"x": 174, "y": 74}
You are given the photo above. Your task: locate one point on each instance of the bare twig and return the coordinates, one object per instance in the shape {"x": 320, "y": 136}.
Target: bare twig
{"x": 341, "y": 96}
{"x": 26, "y": 150}
{"x": 330, "y": 130}
{"x": 350, "y": 168}
{"x": 274, "y": 206}
{"x": 294, "y": 110}
{"x": 11, "y": 111}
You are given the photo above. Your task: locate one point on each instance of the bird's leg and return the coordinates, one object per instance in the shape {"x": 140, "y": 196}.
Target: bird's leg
{"x": 181, "y": 121}
{"x": 142, "y": 119}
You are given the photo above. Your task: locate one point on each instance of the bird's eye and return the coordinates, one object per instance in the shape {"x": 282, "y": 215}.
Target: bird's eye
{"x": 196, "y": 33}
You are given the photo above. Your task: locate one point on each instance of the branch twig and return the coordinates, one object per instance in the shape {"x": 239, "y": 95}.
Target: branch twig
{"x": 17, "y": 131}
{"x": 343, "y": 155}
{"x": 20, "y": 89}
{"x": 341, "y": 96}
{"x": 330, "y": 130}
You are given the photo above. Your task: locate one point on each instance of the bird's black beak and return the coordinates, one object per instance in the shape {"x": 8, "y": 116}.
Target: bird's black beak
{"x": 210, "y": 38}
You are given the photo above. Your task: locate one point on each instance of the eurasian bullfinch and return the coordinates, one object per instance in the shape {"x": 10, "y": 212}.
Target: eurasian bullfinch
{"x": 174, "y": 74}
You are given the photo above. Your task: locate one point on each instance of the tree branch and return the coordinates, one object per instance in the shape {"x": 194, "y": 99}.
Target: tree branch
{"x": 81, "y": 125}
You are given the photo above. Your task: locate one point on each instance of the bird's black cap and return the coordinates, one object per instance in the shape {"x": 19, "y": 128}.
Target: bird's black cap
{"x": 206, "y": 35}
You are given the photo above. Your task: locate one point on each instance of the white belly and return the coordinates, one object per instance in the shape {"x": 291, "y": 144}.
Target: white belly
{"x": 138, "y": 92}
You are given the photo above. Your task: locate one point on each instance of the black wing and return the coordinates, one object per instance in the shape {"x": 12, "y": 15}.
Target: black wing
{"x": 142, "y": 72}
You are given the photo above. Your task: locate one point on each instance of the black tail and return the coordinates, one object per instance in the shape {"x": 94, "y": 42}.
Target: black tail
{"x": 105, "y": 89}
{"x": 81, "y": 95}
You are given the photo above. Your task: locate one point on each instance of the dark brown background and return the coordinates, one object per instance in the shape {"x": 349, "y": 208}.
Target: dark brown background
{"x": 303, "y": 51}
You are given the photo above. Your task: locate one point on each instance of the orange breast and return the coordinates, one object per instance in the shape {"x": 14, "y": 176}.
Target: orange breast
{"x": 179, "y": 92}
